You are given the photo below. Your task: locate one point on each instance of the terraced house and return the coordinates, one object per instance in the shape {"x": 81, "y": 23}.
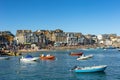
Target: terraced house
{"x": 74, "y": 38}
{"x": 21, "y": 36}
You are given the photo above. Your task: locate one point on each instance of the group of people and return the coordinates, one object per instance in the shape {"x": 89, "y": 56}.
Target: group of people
{"x": 42, "y": 55}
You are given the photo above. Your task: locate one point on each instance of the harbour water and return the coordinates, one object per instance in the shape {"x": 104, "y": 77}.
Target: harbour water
{"x": 59, "y": 69}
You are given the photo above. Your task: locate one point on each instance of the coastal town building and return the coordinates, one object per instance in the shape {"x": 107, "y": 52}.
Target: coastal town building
{"x": 118, "y": 39}
{"x": 48, "y": 35}
{"x": 91, "y": 39}
{"x": 21, "y": 35}
{"x": 59, "y": 37}
{"x": 108, "y": 42}
{"x": 48, "y": 38}
{"x": 71, "y": 39}
{"x": 39, "y": 38}
{"x": 75, "y": 38}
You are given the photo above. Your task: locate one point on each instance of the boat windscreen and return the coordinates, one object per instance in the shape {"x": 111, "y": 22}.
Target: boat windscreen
{"x": 28, "y": 56}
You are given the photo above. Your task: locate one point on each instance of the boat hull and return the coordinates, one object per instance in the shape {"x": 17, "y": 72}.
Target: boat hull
{"x": 84, "y": 57}
{"x": 48, "y": 58}
{"x": 76, "y": 54}
{"x": 99, "y": 69}
{"x": 29, "y": 59}
{"x": 4, "y": 58}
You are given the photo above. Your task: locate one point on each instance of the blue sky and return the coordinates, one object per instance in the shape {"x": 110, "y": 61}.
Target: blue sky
{"x": 85, "y": 16}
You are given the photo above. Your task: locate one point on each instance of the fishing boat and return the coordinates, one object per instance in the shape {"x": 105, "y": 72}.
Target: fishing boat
{"x": 99, "y": 68}
{"x": 29, "y": 58}
{"x": 47, "y": 57}
{"x": 76, "y": 53}
{"x": 83, "y": 57}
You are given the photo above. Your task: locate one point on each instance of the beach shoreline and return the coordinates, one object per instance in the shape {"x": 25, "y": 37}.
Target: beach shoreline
{"x": 58, "y": 48}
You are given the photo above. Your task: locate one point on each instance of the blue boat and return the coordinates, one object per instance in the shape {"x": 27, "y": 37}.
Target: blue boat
{"x": 90, "y": 69}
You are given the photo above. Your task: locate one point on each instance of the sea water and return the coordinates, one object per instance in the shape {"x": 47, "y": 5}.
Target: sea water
{"x": 59, "y": 69}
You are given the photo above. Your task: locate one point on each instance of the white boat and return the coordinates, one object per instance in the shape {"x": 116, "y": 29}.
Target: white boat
{"x": 83, "y": 57}
{"x": 89, "y": 69}
{"x": 4, "y": 58}
{"x": 29, "y": 58}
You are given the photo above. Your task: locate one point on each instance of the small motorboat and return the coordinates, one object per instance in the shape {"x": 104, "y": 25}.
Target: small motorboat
{"x": 89, "y": 69}
{"x": 4, "y": 58}
{"x": 47, "y": 57}
{"x": 76, "y": 53}
{"x": 83, "y": 57}
{"x": 29, "y": 58}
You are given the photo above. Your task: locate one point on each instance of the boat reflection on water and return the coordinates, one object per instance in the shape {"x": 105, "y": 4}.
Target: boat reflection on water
{"x": 91, "y": 76}
{"x": 28, "y": 65}
{"x": 29, "y": 62}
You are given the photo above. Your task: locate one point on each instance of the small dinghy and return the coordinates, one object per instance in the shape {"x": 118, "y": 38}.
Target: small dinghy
{"x": 89, "y": 69}
{"x": 4, "y": 58}
{"x": 29, "y": 58}
{"x": 76, "y": 53}
{"x": 47, "y": 57}
{"x": 83, "y": 57}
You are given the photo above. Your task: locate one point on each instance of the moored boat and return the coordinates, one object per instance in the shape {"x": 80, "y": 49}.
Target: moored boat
{"x": 76, "y": 53}
{"x": 29, "y": 58}
{"x": 4, "y": 58}
{"x": 47, "y": 57}
{"x": 83, "y": 57}
{"x": 89, "y": 69}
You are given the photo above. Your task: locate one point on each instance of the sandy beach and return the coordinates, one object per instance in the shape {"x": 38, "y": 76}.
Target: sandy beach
{"x": 59, "y": 48}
